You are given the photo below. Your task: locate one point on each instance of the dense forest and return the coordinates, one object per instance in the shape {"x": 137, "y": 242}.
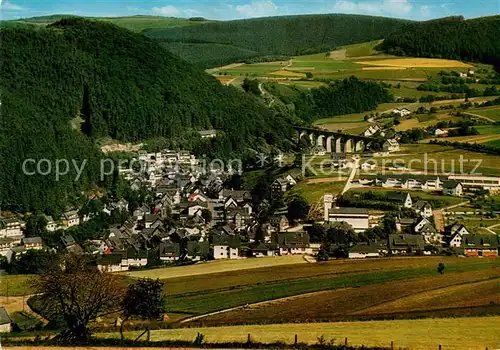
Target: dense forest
{"x": 347, "y": 96}
{"x": 121, "y": 85}
{"x": 474, "y": 40}
{"x": 286, "y": 35}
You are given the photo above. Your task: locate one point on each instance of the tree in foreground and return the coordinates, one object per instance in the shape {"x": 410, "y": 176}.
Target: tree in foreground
{"x": 78, "y": 294}
{"x": 144, "y": 299}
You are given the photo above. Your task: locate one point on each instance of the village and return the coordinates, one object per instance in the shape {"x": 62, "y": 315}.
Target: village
{"x": 195, "y": 215}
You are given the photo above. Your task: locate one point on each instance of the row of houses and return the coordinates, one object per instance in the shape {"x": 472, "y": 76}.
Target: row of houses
{"x": 221, "y": 245}
{"x": 470, "y": 245}
{"x": 415, "y": 182}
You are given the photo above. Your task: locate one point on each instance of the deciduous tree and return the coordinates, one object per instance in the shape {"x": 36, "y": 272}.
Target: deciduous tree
{"x": 78, "y": 293}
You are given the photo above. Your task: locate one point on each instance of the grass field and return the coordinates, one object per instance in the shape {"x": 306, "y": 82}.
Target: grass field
{"x": 354, "y": 123}
{"x": 313, "y": 191}
{"x": 424, "y": 121}
{"x": 436, "y": 159}
{"x": 438, "y": 201}
{"x": 489, "y": 112}
{"x": 227, "y": 281}
{"x": 393, "y": 299}
{"x": 14, "y": 285}
{"x": 219, "y": 299}
{"x": 217, "y": 267}
{"x": 461, "y": 333}
{"x": 495, "y": 143}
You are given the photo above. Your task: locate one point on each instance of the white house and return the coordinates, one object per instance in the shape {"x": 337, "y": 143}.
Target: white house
{"x": 391, "y": 145}
{"x": 11, "y": 227}
{"x": 371, "y": 130}
{"x": 358, "y": 218}
{"x": 207, "y": 134}
{"x": 403, "y": 112}
{"x": 455, "y": 234}
{"x": 402, "y": 198}
{"x": 453, "y": 188}
{"x": 423, "y": 208}
{"x": 226, "y": 247}
{"x": 51, "y": 224}
{"x": 71, "y": 218}
{"x": 440, "y": 132}
{"x": 368, "y": 165}
{"x": 225, "y": 252}
{"x": 420, "y": 225}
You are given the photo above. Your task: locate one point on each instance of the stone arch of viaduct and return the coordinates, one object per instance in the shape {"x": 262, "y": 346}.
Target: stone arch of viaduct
{"x": 334, "y": 142}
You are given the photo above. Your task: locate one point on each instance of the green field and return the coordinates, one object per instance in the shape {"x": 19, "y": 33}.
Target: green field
{"x": 495, "y": 143}
{"x": 437, "y": 159}
{"x": 489, "y": 112}
{"x": 254, "y": 70}
{"x": 354, "y": 123}
{"x": 313, "y": 192}
{"x": 438, "y": 201}
{"x": 363, "y": 49}
{"x": 219, "y": 299}
{"x": 488, "y": 129}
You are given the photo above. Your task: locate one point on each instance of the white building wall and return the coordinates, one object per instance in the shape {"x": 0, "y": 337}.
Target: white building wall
{"x": 220, "y": 252}
{"x": 358, "y": 224}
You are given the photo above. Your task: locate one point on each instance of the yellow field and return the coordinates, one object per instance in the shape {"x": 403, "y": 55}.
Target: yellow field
{"x": 417, "y": 63}
{"x": 383, "y": 68}
{"x": 469, "y": 139}
{"x": 13, "y": 304}
{"x": 451, "y": 333}
{"x": 217, "y": 266}
{"x": 287, "y": 73}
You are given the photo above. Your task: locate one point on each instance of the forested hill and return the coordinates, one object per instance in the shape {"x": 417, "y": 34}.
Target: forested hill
{"x": 271, "y": 36}
{"x": 123, "y": 85}
{"x": 469, "y": 40}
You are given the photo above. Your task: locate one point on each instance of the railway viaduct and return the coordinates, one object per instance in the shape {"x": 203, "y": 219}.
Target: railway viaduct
{"x": 334, "y": 142}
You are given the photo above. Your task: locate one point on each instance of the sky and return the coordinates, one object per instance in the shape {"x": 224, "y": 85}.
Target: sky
{"x": 237, "y": 9}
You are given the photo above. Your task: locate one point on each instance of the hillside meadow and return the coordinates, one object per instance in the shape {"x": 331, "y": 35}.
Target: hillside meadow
{"x": 215, "y": 299}
{"x": 427, "y": 296}
{"x": 437, "y": 159}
